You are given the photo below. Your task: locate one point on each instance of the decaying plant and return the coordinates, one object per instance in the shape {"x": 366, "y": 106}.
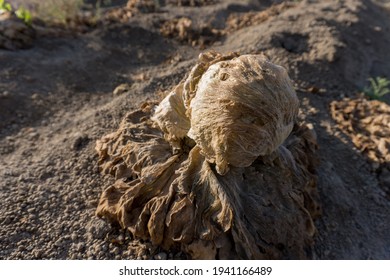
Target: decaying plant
{"x": 185, "y": 31}
{"x": 367, "y": 124}
{"x": 218, "y": 169}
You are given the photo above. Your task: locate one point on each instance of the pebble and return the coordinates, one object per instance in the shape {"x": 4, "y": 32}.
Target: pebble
{"x": 35, "y": 96}
{"x": 97, "y": 228}
{"x": 7, "y": 221}
{"x": 115, "y": 250}
{"x": 58, "y": 243}
{"x": 5, "y": 94}
{"x": 80, "y": 246}
{"x": 382, "y": 147}
{"x": 73, "y": 236}
{"x": 161, "y": 256}
{"x": 46, "y": 206}
{"x": 121, "y": 89}
{"x": 67, "y": 237}
{"x": 37, "y": 253}
{"x": 104, "y": 247}
{"x": 79, "y": 141}
{"x": 121, "y": 238}
{"x": 21, "y": 248}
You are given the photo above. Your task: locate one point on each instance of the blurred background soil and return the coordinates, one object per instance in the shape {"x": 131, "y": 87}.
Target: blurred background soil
{"x": 58, "y": 77}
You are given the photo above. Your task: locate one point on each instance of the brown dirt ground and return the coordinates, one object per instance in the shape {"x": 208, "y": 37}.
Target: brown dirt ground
{"x": 56, "y": 100}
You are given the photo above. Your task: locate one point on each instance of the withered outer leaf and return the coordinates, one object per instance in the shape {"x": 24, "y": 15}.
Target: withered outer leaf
{"x": 159, "y": 199}
{"x": 170, "y": 115}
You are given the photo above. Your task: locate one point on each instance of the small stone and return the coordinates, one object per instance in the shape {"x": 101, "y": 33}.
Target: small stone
{"x": 322, "y": 90}
{"x": 97, "y": 229}
{"x": 7, "y": 221}
{"x": 10, "y": 139}
{"x": 66, "y": 237}
{"x": 21, "y": 248}
{"x": 21, "y": 179}
{"x": 80, "y": 246}
{"x": 5, "y": 94}
{"x": 313, "y": 89}
{"x": 121, "y": 238}
{"x": 58, "y": 243}
{"x": 73, "y": 236}
{"x": 46, "y": 206}
{"x": 121, "y": 89}
{"x": 383, "y": 147}
{"x": 33, "y": 135}
{"x": 115, "y": 250}
{"x": 37, "y": 253}
{"x": 35, "y": 96}
{"x": 97, "y": 248}
{"x": 80, "y": 141}
{"x": 161, "y": 256}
